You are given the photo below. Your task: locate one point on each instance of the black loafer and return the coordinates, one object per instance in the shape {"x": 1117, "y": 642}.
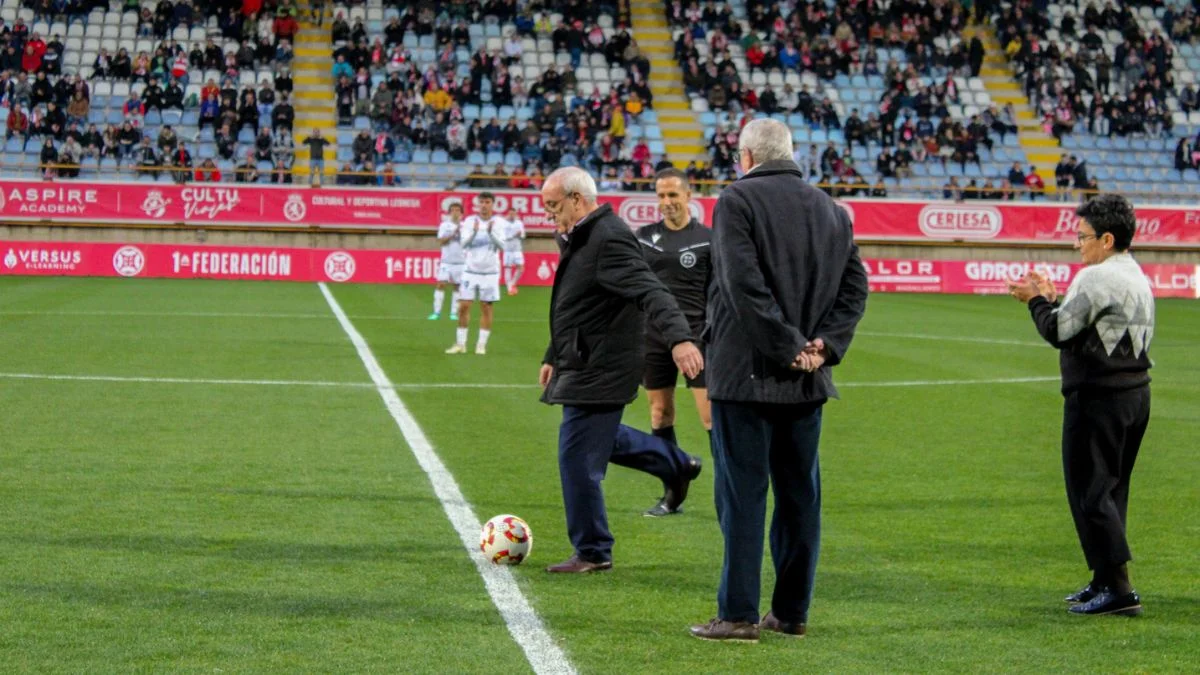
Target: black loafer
{"x": 1084, "y": 594}
{"x": 1107, "y": 602}
{"x": 675, "y": 491}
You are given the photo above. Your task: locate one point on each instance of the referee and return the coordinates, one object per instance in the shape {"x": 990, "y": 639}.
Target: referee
{"x": 677, "y": 248}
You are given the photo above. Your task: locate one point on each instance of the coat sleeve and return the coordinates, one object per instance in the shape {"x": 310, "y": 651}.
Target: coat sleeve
{"x": 741, "y": 282}
{"x": 621, "y": 270}
{"x": 837, "y": 327}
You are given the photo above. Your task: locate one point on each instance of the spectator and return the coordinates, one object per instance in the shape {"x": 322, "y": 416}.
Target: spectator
{"x": 1034, "y": 183}
{"x": 247, "y": 171}
{"x": 208, "y": 172}
{"x": 316, "y": 147}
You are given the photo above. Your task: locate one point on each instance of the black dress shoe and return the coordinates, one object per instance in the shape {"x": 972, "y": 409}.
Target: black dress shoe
{"x": 1108, "y": 602}
{"x": 789, "y": 628}
{"x": 675, "y": 491}
{"x": 577, "y": 565}
{"x": 1084, "y": 594}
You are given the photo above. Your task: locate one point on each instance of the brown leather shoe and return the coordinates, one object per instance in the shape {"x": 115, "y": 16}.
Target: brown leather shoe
{"x": 577, "y": 565}
{"x": 769, "y": 622}
{"x": 727, "y": 631}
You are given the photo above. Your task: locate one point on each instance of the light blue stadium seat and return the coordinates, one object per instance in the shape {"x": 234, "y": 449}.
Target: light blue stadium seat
{"x": 505, "y": 112}
{"x": 344, "y": 154}
{"x": 634, "y": 131}
{"x": 658, "y": 148}
{"x": 439, "y": 157}
{"x": 489, "y": 111}
{"x": 246, "y": 135}
{"x": 494, "y": 158}
{"x": 476, "y": 157}
{"x": 420, "y": 156}
{"x": 649, "y": 117}
{"x": 512, "y": 158}
{"x": 818, "y": 136}
{"x": 362, "y": 122}
{"x": 524, "y": 114}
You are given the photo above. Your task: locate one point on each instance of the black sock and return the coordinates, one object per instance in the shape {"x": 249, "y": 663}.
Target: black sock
{"x": 1119, "y": 580}
{"x": 665, "y": 433}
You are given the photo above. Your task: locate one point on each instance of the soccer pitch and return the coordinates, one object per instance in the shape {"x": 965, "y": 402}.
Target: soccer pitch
{"x": 201, "y": 476}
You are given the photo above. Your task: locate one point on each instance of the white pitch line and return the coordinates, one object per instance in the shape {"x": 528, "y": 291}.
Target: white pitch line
{"x": 416, "y": 386}
{"x": 945, "y": 383}
{"x": 231, "y": 315}
{"x": 181, "y": 380}
{"x": 952, "y": 338}
{"x": 523, "y": 623}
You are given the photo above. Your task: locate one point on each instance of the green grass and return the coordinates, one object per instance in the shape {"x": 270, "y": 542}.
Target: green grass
{"x": 152, "y": 526}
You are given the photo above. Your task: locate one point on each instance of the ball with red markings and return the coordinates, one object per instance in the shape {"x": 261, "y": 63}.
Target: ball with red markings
{"x": 506, "y": 540}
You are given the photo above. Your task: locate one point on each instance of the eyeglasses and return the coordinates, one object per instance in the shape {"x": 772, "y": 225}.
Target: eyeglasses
{"x": 1084, "y": 237}
{"x": 552, "y": 206}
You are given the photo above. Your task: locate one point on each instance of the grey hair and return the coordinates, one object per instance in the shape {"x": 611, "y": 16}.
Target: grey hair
{"x": 575, "y": 179}
{"x": 767, "y": 140}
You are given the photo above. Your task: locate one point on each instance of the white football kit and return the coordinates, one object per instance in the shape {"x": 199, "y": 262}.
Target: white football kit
{"x": 514, "y": 240}
{"x": 481, "y": 275}
{"x": 450, "y": 267}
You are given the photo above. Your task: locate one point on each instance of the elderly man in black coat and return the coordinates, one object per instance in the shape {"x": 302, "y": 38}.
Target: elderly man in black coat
{"x": 788, "y": 291}
{"x": 602, "y": 289}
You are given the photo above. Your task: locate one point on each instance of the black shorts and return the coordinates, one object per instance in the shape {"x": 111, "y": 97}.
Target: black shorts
{"x": 659, "y": 371}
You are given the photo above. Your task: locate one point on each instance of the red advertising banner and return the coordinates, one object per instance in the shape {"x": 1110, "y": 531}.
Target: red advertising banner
{"x": 169, "y": 261}
{"x": 291, "y": 206}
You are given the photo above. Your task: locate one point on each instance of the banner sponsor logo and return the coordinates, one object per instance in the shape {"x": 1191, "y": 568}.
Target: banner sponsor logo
{"x": 960, "y": 221}
{"x": 49, "y": 200}
{"x": 1011, "y": 271}
{"x": 43, "y": 258}
{"x": 232, "y": 264}
{"x": 295, "y": 209}
{"x": 339, "y": 266}
{"x": 129, "y": 261}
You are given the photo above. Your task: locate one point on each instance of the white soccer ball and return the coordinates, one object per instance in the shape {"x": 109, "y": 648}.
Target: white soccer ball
{"x": 506, "y": 540}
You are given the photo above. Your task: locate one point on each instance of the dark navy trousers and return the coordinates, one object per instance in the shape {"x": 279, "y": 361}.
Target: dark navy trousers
{"x": 755, "y": 445}
{"x": 590, "y": 437}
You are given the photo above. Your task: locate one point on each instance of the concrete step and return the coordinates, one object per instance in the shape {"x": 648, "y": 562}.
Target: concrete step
{"x": 671, "y": 105}
{"x": 308, "y": 95}
{"x": 653, "y": 33}
{"x": 324, "y": 88}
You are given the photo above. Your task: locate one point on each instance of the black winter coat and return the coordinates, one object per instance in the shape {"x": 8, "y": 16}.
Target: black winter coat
{"x": 785, "y": 271}
{"x": 602, "y": 288}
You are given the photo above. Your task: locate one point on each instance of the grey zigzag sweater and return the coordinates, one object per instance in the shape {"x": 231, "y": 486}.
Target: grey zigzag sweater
{"x": 1103, "y": 327}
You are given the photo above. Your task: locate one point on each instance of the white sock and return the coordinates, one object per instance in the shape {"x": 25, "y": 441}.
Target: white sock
{"x": 483, "y": 337}
{"x": 454, "y": 303}
{"x": 462, "y": 337}
{"x": 439, "y": 296}
{"x": 509, "y": 273}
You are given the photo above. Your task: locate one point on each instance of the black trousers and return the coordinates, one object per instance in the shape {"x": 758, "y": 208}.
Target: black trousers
{"x": 1102, "y": 432}
{"x": 589, "y": 438}
{"x": 756, "y": 445}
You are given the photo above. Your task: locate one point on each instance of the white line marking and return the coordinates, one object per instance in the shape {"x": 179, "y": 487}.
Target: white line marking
{"x": 523, "y": 622}
{"x": 944, "y": 383}
{"x": 231, "y": 315}
{"x": 181, "y": 380}
{"x": 444, "y": 385}
{"x": 953, "y": 338}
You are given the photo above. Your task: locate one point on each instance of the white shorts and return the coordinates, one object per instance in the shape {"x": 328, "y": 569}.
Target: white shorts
{"x": 448, "y": 272}
{"x": 481, "y": 287}
{"x": 514, "y": 259}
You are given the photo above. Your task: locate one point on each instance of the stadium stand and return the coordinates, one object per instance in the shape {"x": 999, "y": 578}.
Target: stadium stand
{"x": 885, "y": 98}
{"x": 1109, "y": 82}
